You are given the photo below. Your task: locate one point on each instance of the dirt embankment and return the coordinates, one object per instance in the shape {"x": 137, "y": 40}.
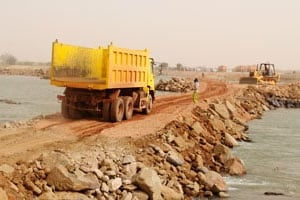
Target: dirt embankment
{"x": 177, "y": 152}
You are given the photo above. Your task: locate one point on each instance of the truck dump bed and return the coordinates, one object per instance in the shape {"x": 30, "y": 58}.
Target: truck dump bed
{"x": 99, "y": 68}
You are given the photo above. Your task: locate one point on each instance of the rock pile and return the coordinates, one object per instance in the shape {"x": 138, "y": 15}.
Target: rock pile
{"x": 175, "y": 85}
{"x": 58, "y": 175}
{"x": 287, "y": 96}
{"x": 183, "y": 160}
{"x": 190, "y": 151}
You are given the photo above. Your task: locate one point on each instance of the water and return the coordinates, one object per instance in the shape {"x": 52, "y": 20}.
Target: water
{"x": 33, "y": 96}
{"x": 272, "y": 160}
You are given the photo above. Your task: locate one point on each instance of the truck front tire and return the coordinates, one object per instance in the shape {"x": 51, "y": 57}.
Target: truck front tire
{"x": 149, "y": 105}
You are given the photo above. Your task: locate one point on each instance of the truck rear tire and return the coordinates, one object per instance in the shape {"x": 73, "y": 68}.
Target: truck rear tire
{"x": 106, "y": 111}
{"x": 64, "y": 109}
{"x": 128, "y": 107}
{"x": 75, "y": 114}
{"x": 70, "y": 113}
{"x": 117, "y": 110}
{"x": 149, "y": 105}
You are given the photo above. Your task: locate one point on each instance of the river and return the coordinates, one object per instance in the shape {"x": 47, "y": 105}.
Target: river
{"x": 25, "y": 97}
{"x": 272, "y": 160}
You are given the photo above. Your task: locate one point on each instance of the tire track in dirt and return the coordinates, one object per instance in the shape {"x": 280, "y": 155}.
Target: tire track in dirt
{"x": 87, "y": 128}
{"x": 211, "y": 88}
{"x": 166, "y": 109}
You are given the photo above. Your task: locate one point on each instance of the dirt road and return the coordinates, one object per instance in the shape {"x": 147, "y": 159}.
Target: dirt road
{"x": 54, "y": 132}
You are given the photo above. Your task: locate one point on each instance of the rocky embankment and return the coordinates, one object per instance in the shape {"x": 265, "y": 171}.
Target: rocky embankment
{"x": 183, "y": 160}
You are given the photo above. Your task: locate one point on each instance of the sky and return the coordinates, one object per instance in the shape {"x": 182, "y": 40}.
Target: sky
{"x": 191, "y": 32}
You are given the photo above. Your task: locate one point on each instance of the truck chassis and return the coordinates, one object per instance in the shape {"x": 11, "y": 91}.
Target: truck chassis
{"x": 111, "y": 105}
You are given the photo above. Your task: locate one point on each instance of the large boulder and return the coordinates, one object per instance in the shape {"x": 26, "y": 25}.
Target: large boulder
{"x": 221, "y": 109}
{"x": 217, "y": 124}
{"x": 130, "y": 170}
{"x": 148, "y": 181}
{"x": 215, "y": 182}
{"x": 7, "y": 169}
{"x": 197, "y": 127}
{"x": 114, "y": 184}
{"x": 222, "y": 153}
{"x": 65, "y": 181}
{"x": 180, "y": 142}
{"x": 55, "y": 158}
{"x": 230, "y": 108}
{"x": 128, "y": 159}
{"x": 175, "y": 158}
{"x": 139, "y": 195}
{"x": 235, "y": 166}
{"x": 169, "y": 193}
{"x": 198, "y": 162}
{"x": 229, "y": 140}
{"x": 129, "y": 166}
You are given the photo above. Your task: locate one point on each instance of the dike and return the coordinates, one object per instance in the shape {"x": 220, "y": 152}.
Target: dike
{"x": 184, "y": 160}
{"x": 191, "y": 153}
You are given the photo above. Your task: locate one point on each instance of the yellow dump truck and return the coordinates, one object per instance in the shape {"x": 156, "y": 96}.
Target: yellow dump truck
{"x": 109, "y": 83}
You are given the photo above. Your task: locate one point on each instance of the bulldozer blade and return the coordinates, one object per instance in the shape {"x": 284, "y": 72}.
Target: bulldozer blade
{"x": 248, "y": 80}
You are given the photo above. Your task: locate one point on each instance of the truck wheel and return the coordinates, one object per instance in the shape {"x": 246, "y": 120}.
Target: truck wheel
{"x": 106, "y": 111}
{"x": 128, "y": 105}
{"x": 117, "y": 110}
{"x": 64, "y": 109}
{"x": 74, "y": 114}
{"x": 148, "y": 108}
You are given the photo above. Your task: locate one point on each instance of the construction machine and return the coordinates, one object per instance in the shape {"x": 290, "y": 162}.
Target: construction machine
{"x": 264, "y": 73}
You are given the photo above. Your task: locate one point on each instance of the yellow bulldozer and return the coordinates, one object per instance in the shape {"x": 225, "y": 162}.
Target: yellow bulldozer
{"x": 264, "y": 73}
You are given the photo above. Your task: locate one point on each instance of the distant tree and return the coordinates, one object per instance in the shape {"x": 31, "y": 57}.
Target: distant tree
{"x": 163, "y": 66}
{"x": 179, "y": 66}
{"x": 8, "y": 59}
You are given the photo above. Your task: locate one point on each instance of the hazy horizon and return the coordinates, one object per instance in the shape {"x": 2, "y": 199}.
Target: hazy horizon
{"x": 192, "y": 32}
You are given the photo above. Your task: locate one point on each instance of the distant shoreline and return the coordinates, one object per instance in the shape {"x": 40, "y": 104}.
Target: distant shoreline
{"x": 42, "y": 71}
{"x": 24, "y": 70}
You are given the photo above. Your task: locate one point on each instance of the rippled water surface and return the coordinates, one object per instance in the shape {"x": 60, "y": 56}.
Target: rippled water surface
{"x": 31, "y": 96}
{"x": 272, "y": 160}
